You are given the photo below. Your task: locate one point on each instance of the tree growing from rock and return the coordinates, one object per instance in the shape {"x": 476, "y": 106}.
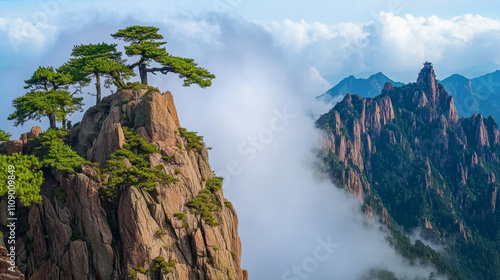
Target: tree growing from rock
{"x": 97, "y": 61}
{"x": 48, "y": 97}
{"x": 4, "y": 136}
{"x": 144, "y": 42}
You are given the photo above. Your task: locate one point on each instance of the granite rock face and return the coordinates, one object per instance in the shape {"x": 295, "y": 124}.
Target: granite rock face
{"x": 413, "y": 163}
{"x": 355, "y": 123}
{"x": 76, "y": 234}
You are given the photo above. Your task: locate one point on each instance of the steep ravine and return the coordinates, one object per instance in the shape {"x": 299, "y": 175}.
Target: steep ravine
{"x": 76, "y": 234}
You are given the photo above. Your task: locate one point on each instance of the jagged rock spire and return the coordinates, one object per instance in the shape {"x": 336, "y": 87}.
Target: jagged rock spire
{"x": 427, "y": 78}
{"x": 435, "y": 94}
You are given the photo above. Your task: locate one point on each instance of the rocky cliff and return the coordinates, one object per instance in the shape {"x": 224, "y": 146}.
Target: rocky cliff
{"x": 78, "y": 232}
{"x": 415, "y": 164}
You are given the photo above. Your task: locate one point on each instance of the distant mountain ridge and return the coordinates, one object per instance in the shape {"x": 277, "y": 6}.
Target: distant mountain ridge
{"x": 478, "y": 95}
{"x": 472, "y": 96}
{"x": 369, "y": 87}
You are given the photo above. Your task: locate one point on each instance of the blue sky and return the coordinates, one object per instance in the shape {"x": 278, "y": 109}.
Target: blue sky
{"x": 267, "y": 57}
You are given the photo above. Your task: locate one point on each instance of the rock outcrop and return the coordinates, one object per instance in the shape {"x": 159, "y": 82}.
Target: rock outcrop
{"x": 14, "y": 146}
{"x": 6, "y": 270}
{"x": 75, "y": 233}
{"x": 414, "y": 163}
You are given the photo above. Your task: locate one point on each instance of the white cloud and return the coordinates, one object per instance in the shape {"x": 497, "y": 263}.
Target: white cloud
{"x": 26, "y": 35}
{"x": 3, "y": 23}
{"x": 390, "y": 43}
{"x": 298, "y": 35}
{"x": 204, "y": 31}
{"x": 415, "y": 39}
{"x": 318, "y": 82}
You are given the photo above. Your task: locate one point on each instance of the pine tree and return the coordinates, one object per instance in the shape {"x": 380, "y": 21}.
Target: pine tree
{"x": 48, "y": 97}
{"x": 144, "y": 43}
{"x": 95, "y": 61}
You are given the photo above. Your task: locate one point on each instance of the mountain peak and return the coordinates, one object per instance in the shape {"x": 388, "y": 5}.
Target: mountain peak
{"x": 435, "y": 93}
{"x": 369, "y": 87}
{"x": 378, "y": 75}
{"x": 427, "y": 78}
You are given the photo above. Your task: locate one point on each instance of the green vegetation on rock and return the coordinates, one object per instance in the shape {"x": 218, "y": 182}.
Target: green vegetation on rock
{"x": 130, "y": 166}
{"x": 97, "y": 61}
{"x": 205, "y": 203}
{"x": 194, "y": 142}
{"x": 25, "y": 175}
{"x": 4, "y": 136}
{"x": 161, "y": 266}
{"x": 53, "y": 152}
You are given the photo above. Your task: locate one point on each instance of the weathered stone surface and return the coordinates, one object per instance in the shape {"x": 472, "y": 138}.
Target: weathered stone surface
{"x": 35, "y": 132}
{"x": 493, "y": 131}
{"x": 85, "y": 205}
{"x": 481, "y": 134}
{"x": 451, "y": 111}
{"x": 110, "y": 138}
{"x": 5, "y": 273}
{"x": 36, "y": 231}
{"x": 494, "y": 199}
{"x": 159, "y": 123}
{"x": 24, "y": 138}
{"x": 388, "y": 86}
{"x": 14, "y": 146}
{"x": 78, "y": 257}
{"x": 171, "y": 108}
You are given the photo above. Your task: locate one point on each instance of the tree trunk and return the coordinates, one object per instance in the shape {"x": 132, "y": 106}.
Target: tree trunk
{"x": 98, "y": 88}
{"x": 143, "y": 73}
{"x": 52, "y": 120}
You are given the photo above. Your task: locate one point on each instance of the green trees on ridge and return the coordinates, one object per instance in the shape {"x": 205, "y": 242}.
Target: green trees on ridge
{"x": 49, "y": 94}
{"x": 52, "y": 95}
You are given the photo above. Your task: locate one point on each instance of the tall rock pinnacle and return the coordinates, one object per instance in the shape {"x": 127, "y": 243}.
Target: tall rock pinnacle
{"x": 427, "y": 78}
{"x": 429, "y": 90}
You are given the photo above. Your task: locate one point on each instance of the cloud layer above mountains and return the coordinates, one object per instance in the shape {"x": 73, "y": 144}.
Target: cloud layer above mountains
{"x": 389, "y": 42}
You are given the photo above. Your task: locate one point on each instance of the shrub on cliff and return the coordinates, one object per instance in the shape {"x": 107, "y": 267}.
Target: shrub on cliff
{"x": 194, "y": 142}
{"x": 24, "y": 174}
{"x": 53, "y": 152}
{"x": 205, "y": 203}
{"x": 130, "y": 166}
